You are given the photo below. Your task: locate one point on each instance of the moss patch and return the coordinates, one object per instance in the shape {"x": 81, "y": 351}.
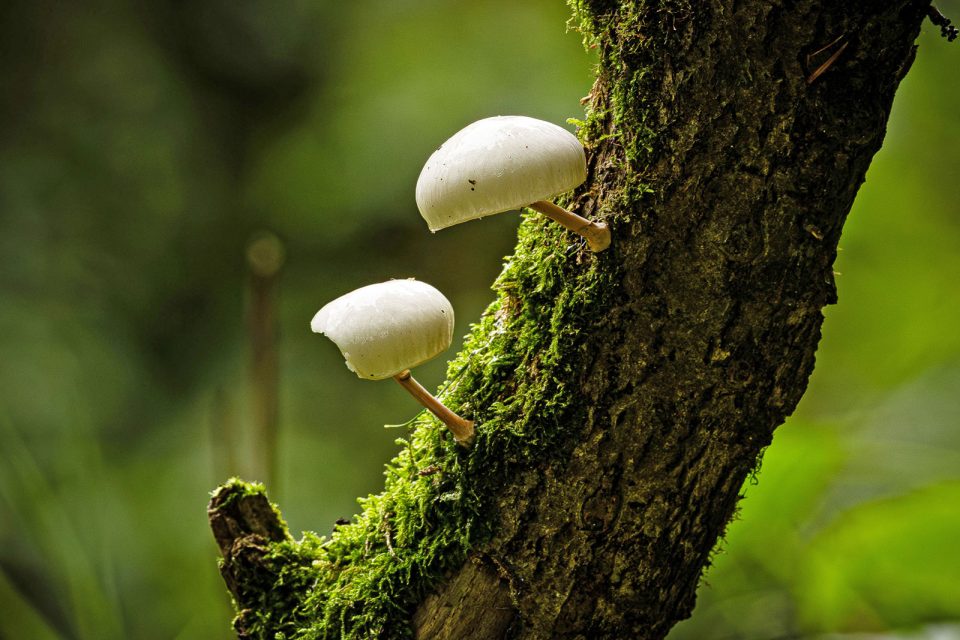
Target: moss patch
{"x": 364, "y": 580}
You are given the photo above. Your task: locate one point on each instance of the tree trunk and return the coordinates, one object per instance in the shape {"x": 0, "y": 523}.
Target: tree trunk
{"x": 621, "y": 398}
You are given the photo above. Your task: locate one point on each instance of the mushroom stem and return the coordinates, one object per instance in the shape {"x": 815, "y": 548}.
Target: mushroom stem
{"x": 462, "y": 429}
{"x": 597, "y": 234}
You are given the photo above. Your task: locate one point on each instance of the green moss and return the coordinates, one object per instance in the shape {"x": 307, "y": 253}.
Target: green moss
{"x": 621, "y": 113}
{"x": 582, "y": 20}
{"x": 511, "y": 377}
{"x": 366, "y": 578}
{"x": 236, "y": 488}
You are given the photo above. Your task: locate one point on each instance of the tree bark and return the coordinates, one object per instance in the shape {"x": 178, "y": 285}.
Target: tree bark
{"x": 726, "y": 142}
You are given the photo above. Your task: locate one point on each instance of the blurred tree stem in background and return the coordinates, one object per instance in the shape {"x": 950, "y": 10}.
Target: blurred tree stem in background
{"x": 641, "y": 385}
{"x": 265, "y": 259}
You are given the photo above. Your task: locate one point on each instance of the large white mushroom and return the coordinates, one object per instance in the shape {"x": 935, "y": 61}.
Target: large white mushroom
{"x": 501, "y": 164}
{"x": 384, "y": 330}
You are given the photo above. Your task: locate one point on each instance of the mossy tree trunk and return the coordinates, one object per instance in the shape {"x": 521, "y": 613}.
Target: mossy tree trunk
{"x": 621, "y": 398}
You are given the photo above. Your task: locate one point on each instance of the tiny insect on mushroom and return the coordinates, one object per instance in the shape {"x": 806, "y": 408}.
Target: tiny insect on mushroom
{"x": 501, "y": 164}
{"x": 384, "y": 330}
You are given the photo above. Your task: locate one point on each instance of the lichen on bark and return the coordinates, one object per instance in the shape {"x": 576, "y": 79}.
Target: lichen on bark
{"x": 621, "y": 398}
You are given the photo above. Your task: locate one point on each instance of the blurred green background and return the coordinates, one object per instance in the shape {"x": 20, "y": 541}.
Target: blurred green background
{"x": 145, "y": 144}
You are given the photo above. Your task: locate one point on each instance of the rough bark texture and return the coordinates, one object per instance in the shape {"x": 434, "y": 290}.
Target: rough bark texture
{"x": 725, "y": 151}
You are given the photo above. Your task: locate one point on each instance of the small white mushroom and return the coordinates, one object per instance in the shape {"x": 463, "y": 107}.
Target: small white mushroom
{"x": 384, "y": 330}
{"x": 501, "y": 164}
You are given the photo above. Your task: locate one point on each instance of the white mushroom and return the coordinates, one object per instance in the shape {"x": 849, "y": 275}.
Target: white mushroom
{"x": 504, "y": 163}
{"x": 384, "y": 330}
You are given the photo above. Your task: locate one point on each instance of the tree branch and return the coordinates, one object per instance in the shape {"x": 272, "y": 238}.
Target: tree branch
{"x": 622, "y": 398}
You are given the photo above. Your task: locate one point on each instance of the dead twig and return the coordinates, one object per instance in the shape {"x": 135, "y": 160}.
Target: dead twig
{"x": 819, "y": 71}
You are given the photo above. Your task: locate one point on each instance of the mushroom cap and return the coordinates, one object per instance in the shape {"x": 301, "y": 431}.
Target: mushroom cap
{"x": 495, "y": 165}
{"x": 384, "y": 328}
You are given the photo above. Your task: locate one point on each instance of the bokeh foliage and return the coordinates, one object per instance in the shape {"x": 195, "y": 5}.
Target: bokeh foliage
{"x": 146, "y": 142}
